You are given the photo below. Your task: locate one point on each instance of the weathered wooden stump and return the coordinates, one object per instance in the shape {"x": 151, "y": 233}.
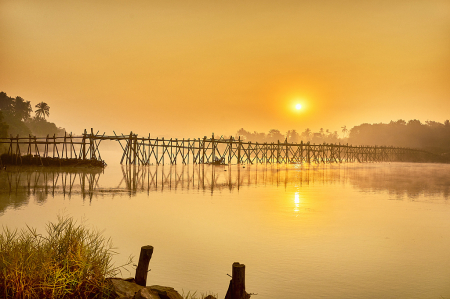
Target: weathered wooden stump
{"x": 142, "y": 268}
{"x": 236, "y": 289}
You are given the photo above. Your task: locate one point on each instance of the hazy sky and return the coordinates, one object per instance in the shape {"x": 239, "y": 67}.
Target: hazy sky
{"x": 189, "y": 68}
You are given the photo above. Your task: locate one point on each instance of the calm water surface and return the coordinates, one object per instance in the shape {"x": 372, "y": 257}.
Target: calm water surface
{"x": 311, "y": 231}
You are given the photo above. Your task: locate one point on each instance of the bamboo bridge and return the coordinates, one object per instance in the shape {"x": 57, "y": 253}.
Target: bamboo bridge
{"x": 160, "y": 151}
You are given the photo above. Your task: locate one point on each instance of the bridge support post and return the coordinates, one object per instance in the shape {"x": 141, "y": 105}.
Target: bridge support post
{"x": 239, "y": 150}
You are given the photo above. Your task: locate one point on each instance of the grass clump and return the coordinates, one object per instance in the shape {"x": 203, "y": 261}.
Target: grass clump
{"x": 70, "y": 261}
{"x": 194, "y": 295}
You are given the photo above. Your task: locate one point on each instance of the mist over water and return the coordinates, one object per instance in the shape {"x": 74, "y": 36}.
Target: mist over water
{"x": 334, "y": 231}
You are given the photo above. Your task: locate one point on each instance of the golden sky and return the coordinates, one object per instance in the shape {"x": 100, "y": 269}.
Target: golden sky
{"x": 189, "y": 68}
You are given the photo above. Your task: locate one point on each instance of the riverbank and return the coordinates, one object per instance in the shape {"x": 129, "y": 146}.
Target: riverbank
{"x": 30, "y": 160}
{"x": 70, "y": 261}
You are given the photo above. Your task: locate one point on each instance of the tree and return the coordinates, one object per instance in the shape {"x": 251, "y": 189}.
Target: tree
{"x": 275, "y": 135}
{"x": 344, "y": 131}
{"x": 6, "y": 103}
{"x": 292, "y": 136}
{"x": 22, "y": 108}
{"x": 306, "y": 135}
{"x": 43, "y": 110}
{"x": 3, "y": 127}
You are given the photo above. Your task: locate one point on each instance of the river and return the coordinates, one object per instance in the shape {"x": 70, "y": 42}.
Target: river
{"x": 374, "y": 230}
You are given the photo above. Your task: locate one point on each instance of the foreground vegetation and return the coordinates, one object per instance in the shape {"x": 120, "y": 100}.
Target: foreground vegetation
{"x": 70, "y": 261}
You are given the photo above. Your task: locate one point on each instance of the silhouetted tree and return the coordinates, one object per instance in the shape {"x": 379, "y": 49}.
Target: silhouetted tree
{"x": 22, "y": 108}
{"x": 13, "y": 118}
{"x": 292, "y": 136}
{"x": 432, "y": 135}
{"x": 275, "y": 136}
{"x": 42, "y": 127}
{"x": 344, "y": 131}
{"x": 306, "y": 135}
{"x": 6, "y": 103}
{"x": 16, "y": 114}
{"x": 43, "y": 110}
{"x": 3, "y": 127}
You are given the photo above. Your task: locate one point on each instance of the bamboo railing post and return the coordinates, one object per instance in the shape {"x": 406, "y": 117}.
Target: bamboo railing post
{"x": 54, "y": 145}
{"x": 142, "y": 267}
{"x": 287, "y": 152}
{"x": 64, "y": 145}
{"x": 230, "y": 149}
{"x": 29, "y": 145}
{"x": 149, "y": 152}
{"x": 239, "y": 150}
{"x": 18, "y": 154}
{"x": 135, "y": 154}
{"x": 278, "y": 151}
{"x": 157, "y": 147}
{"x": 308, "y": 153}
{"x": 203, "y": 149}
{"x": 164, "y": 150}
{"x": 373, "y": 154}
{"x": 83, "y": 145}
{"x": 171, "y": 154}
{"x": 129, "y": 148}
{"x": 91, "y": 144}
{"x": 184, "y": 159}
{"x": 213, "y": 155}
{"x": 301, "y": 151}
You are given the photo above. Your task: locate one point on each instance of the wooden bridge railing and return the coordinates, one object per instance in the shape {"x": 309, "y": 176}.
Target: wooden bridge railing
{"x": 147, "y": 150}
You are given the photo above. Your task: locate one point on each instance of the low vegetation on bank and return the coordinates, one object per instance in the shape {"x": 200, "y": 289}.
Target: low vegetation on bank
{"x": 30, "y": 160}
{"x": 69, "y": 261}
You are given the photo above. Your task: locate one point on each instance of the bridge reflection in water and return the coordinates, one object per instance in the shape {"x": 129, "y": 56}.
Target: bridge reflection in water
{"x": 50, "y": 180}
{"x": 216, "y": 178}
{"x": 399, "y": 179}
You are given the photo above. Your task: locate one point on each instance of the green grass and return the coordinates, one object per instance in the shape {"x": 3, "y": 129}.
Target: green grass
{"x": 70, "y": 261}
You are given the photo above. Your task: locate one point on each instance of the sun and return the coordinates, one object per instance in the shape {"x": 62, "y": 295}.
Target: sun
{"x": 298, "y": 106}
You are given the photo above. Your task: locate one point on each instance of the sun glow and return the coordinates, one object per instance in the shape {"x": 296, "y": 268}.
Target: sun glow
{"x": 298, "y": 106}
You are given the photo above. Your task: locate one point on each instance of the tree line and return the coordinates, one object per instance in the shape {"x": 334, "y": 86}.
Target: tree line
{"x": 432, "y": 136}
{"x": 291, "y": 136}
{"x": 16, "y": 118}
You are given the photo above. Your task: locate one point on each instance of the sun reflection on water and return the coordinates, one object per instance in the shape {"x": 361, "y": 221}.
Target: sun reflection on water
{"x": 296, "y": 203}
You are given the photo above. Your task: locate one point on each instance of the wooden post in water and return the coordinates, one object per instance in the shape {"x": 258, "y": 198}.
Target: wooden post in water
{"x": 230, "y": 149}
{"x": 83, "y": 146}
{"x": 135, "y": 154}
{"x": 142, "y": 267}
{"x": 308, "y": 153}
{"x": 278, "y": 151}
{"x": 213, "y": 155}
{"x": 91, "y": 144}
{"x": 203, "y": 150}
{"x": 236, "y": 289}
{"x": 287, "y": 152}
{"x": 239, "y": 150}
{"x": 129, "y": 148}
